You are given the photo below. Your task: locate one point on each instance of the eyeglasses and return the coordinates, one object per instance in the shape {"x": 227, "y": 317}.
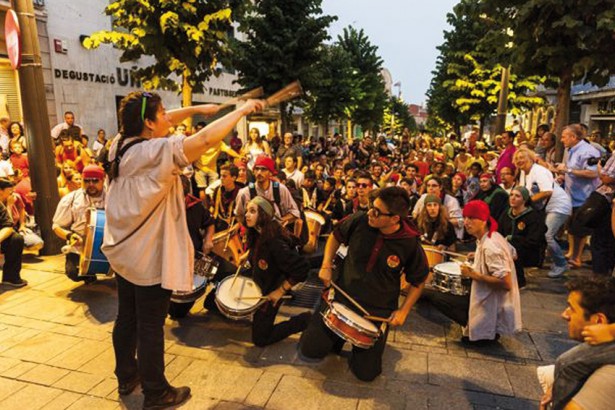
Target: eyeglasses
{"x": 91, "y": 180}
{"x": 145, "y": 96}
{"x": 262, "y": 169}
{"x": 377, "y": 212}
{"x": 433, "y": 185}
{"x": 362, "y": 185}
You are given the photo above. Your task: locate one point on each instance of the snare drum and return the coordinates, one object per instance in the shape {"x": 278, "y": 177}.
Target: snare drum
{"x": 230, "y": 292}
{"x": 198, "y": 289}
{"x": 92, "y": 259}
{"x": 447, "y": 278}
{"x": 227, "y": 244}
{"x": 350, "y": 326}
{"x": 315, "y": 222}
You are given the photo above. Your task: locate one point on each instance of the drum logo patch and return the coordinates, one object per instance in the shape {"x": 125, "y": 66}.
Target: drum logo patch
{"x": 393, "y": 261}
{"x": 521, "y": 226}
{"x": 262, "y": 264}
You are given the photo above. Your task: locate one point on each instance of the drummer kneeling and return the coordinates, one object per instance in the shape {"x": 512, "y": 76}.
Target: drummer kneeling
{"x": 70, "y": 223}
{"x": 382, "y": 246}
{"x": 493, "y": 306}
{"x": 276, "y": 267}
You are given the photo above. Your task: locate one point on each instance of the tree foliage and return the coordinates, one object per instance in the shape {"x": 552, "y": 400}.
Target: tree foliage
{"x": 283, "y": 43}
{"x": 186, "y": 38}
{"x": 367, "y": 66}
{"x": 397, "y": 117}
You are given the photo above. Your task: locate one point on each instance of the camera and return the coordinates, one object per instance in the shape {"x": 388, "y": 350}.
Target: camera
{"x": 595, "y": 160}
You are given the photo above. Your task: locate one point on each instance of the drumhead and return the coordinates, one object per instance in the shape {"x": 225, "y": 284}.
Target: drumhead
{"x": 354, "y": 317}
{"x": 448, "y": 268}
{"x": 315, "y": 216}
{"x": 228, "y": 293}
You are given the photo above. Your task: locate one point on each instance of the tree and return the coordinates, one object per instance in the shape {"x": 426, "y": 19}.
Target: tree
{"x": 337, "y": 92}
{"x": 186, "y": 38}
{"x": 400, "y": 118}
{"x": 283, "y": 44}
{"x": 564, "y": 39}
{"x": 365, "y": 61}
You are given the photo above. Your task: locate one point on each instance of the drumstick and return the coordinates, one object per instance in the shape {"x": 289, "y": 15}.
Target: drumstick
{"x": 287, "y": 93}
{"x": 228, "y": 235}
{"x": 347, "y": 296}
{"x": 377, "y": 319}
{"x": 238, "y": 270}
{"x": 461, "y": 255}
{"x": 260, "y": 297}
{"x": 255, "y": 93}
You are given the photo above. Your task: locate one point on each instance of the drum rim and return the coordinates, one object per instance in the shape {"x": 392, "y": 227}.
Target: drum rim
{"x": 448, "y": 263}
{"x": 353, "y": 341}
{"x": 352, "y": 324}
{"x": 249, "y": 310}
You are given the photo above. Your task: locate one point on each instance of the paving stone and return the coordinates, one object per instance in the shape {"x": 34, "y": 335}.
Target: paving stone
{"x": 420, "y": 330}
{"x": 229, "y": 405}
{"x": 550, "y": 346}
{"x": 524, "y": 381}
{"x": 105, "y": 388}
{"x": 62, "y": 401}
{"x": 80, "y": 354}
{"x": 6, "y": 363}
{"x": 11, "y": 336}
{"x": 49, "y": 308}
{"x": 517, "y": 347}
{"x": 543, "y": 320}
{"x": 78, "y": 382}
{"x": 89, "y": 402}
{"x": 177, "y": 365}
{"x": 263, "y": 389}
{"x": 8, "y": 387}
{"x": 31, "y": 397}
{"x": 307, "y": 394}
{"x": 42, "y": 347}
{"x": 284, "y": 351}
{"x": 198, "y": 402}
{"x": 469, "y": 374}
{"x": 188, "y": 351}
{"x": 19, "y": 369}
{"x": 408, "y": 366}
{"x": 494, "y": 401}
{"x": 381, "y": 400}
{"x": 219, "y": 381}
{"x": 103, "y": 364}
{"x": 42, "y": 374}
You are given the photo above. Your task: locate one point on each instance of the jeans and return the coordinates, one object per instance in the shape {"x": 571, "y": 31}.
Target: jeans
{"x": 138, "y": 335}
{"x": 554, "y": 222}
{"x": 573, "y": 367}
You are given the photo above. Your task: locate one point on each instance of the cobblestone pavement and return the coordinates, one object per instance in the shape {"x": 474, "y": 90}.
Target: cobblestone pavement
{"x": 56, "y": 353}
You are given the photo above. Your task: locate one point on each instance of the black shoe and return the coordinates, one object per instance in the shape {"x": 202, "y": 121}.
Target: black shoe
{"x": 465, "y": 340}
{"x": 89, "y": 279}
{"x": 128, "y": 387}
{"x": 173, "y": 396}
{"x": 20, "y": 283}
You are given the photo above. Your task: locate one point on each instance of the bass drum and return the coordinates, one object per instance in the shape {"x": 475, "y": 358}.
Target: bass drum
{"x": 228, "y": 245}
{"x": 92, "y": 260}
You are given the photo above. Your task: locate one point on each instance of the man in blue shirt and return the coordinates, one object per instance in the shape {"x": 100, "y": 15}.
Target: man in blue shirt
{"x": 581, "y": 179}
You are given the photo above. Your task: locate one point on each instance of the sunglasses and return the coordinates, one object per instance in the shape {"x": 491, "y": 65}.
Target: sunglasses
{"x": 145, "y": 96}
{"x": 377, "y": 212}
{"x": 361, "y": 185}
{"x": 91, "y": 180}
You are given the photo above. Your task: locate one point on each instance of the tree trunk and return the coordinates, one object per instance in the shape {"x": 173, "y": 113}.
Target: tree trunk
{"x": 187, "y": 98}
{"x": 285, "y": 118}
{"x": 562, "y": 110}
{"x": 500, "y": 123}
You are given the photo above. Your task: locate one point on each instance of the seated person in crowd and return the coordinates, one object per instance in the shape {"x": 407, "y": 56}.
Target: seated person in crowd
{"x": 584, "y": 376}
{"x": 434, "y": 225}
{"x": 70, "y": 223}
{"x": 493, "y": 306}
{"x": 524, "y": 228}
{"x": 434, "y": 187}
{"x": 11, "y": 242}
{"x": 493, "y": 195}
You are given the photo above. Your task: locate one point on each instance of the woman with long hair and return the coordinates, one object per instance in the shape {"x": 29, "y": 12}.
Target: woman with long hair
{"x": 67, "y": 169}
{"x": 255, "y": 146}
{"x": 146, "y": 238}
{"x": 433, "y": 222}
{"x": 276, "y": 267}
{"x": 16, "y": 134}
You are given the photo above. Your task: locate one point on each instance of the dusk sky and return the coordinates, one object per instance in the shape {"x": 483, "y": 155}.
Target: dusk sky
{"x": 405, "y": 31}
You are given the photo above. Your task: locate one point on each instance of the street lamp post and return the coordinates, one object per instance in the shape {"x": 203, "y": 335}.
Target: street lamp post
{"x": 500, "y": 122}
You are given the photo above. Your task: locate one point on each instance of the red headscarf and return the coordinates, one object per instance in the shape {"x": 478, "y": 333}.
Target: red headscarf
{"x": 480, "y": 210}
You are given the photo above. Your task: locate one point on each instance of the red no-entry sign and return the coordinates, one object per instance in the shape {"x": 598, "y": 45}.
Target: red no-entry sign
{"x": 12, "y": 34}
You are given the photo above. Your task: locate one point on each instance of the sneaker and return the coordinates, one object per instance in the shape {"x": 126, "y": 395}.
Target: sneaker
{"x": 173, "y": 396}
{"x": 18, "y": 284}
{"x": 557, "y": 271}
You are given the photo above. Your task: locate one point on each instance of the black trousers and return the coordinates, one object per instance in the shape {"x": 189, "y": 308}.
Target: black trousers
{"x": 318, "y": 340}
{"x": 12, "y": 248}
{"x": 138, "y": 335}
{"x": 454, "y": 307}
{"x": 265, "y": 332}
{"x": 603, "y": 247}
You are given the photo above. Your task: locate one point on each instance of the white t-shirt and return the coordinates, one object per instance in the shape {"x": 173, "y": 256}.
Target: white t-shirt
{"x": 6, "y": 169}
{"x": 540, "y": 179}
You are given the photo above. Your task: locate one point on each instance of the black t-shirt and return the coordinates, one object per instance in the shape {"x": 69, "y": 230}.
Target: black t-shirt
{"x": 374, "y": 264}
{"x": 276, "y": 262}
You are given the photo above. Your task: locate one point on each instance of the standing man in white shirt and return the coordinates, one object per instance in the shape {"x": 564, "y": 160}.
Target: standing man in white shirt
{"x": 69, "y": 121}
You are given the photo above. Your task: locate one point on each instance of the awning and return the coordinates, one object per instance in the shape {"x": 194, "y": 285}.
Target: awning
{"x": 602, "y": 117}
